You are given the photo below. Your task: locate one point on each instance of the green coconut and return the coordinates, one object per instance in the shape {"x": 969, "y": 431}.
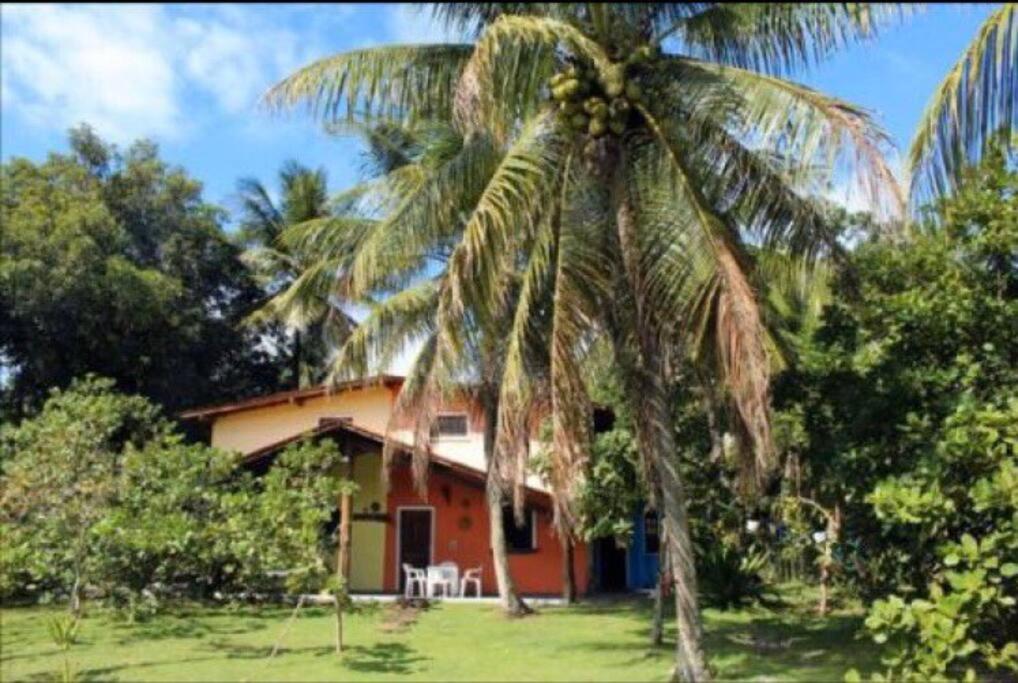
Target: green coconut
{"x": 592, "y": 104}
{"x": 580, "y": 121}
{"x": 633, "y": 91}
{"x": 597, "y": 127}
{"x": 569, "y": 107}
{"x": 570, "y": 87}
{"x": 617, "y": 126}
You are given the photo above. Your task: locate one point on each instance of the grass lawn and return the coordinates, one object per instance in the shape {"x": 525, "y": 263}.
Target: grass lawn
{"x": 592, "y": 641}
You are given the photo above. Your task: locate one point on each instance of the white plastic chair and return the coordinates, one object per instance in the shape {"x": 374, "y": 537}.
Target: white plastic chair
{"x": 471, "y": 576}
{"x": 415, "y": 577}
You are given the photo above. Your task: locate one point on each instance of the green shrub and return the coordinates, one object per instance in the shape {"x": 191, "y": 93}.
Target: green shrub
{"x": 730, "y": 578}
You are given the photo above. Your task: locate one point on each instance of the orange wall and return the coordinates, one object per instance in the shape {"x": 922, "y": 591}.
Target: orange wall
{"x": 455, "y": 500}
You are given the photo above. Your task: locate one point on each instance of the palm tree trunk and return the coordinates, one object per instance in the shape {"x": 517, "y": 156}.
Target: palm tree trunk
{"x": 657, "y": 630}
{"x": 647, "y": 389}
{"x": 654, "y": 436}
{"x": 512, "y": 603}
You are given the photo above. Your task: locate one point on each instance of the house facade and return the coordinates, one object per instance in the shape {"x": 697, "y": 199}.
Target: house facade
{"x": 397, "y": 525}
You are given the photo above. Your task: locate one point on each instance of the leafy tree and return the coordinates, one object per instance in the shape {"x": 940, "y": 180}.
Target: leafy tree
{"x": 316, "y": 324}
{"x": 962, "y": 501}
{"x": 59, "y": 480}
{"x": 99, "y": 492}
{"x": 112, "y": 263}
{"x": 626, "y": 182}
{"x": 906, "y": 395}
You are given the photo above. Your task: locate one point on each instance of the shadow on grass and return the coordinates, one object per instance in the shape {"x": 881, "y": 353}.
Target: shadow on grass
{"x": 103, "y": 673}
{"x": 392, "y": 658}
{"x": 183, "y": 626}
{"x": 820, "y": 649}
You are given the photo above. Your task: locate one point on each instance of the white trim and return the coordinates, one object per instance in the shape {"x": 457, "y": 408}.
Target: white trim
{"x": 399, "y": 536}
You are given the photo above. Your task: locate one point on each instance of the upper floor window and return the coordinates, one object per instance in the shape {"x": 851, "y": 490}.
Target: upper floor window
{"x": 451, "y": 425}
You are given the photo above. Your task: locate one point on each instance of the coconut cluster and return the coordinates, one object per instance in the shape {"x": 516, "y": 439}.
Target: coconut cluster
{"x": 597, "y": 103}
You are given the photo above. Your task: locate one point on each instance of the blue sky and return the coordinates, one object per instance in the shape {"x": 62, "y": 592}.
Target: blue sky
{"x": 189, "y": 77}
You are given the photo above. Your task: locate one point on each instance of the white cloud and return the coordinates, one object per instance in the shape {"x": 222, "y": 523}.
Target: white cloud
{"x": 64, "y": 64}
{"x": 132, "y": 70}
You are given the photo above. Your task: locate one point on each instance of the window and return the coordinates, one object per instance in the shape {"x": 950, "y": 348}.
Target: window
{"x": 519, "y": 539}
{"x": 651, "y": 535}
{"x": 454, "y": 425}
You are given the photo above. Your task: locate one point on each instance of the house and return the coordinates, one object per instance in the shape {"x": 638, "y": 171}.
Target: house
{"x": 400, "y": 526}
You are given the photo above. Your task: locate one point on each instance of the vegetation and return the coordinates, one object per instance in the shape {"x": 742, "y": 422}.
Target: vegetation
{"x": 568, "y": 177}
{"x": 113, "y": 264}
{"x": 923, "y": 467}
{"x": 100, "y": 494}
{"x": 564, "y": 214}
{"x": 318, "y": 324}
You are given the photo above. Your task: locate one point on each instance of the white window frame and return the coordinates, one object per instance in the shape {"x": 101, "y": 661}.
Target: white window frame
{"x": 399, "y": 536}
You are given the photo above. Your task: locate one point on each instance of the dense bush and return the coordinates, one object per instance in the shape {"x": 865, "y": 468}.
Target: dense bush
{"x": 906, "y": 396}
{"x": 99, "y": 493}
{"x": 963, "y": 501}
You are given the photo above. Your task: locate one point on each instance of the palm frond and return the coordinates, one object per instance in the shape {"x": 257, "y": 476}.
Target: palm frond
{"x": 780, "y": 38}
{"x": 806, "y": 125}
{"x": 506, "y": 211}
{"x": 977, "y": 98}
{"x": 740, "y": 338}
{"x": 399, "y": 83}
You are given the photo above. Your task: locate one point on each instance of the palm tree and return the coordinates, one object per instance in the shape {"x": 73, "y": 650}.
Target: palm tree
{"x": 621, "y": 185}
{"x": 304, "y": 197}
{"x": 977, "y": 100}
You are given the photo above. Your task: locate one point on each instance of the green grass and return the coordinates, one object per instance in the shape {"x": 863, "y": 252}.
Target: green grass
{"x": 592, "y": 641}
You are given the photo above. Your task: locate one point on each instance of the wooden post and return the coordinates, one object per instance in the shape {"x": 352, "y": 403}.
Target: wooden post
{"x": 343, "y": 552}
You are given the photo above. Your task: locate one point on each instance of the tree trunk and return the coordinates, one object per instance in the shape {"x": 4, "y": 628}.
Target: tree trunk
{"x": 511, "y": 601}
{"x": 75, "y": 597}
{"x": 568, "y": 574}
{"x": 647, "y": 389}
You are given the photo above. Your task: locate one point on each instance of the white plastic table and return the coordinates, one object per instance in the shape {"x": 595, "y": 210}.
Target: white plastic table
{"x": 446, "y": 575}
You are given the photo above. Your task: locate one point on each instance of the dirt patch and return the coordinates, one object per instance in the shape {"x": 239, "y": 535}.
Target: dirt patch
{"x": 402, "y": 614}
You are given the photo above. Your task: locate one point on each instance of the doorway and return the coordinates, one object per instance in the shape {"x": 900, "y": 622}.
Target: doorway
{"x": 415, "y": 527}
{"x": 611, "y": 566}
